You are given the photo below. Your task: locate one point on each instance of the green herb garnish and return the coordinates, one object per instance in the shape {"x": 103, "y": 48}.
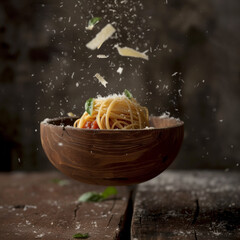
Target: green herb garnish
{"x": 89, "y": 106}
{"x": 81, "y": 235}
{"x": 55, "y": 180}
{"x": 109, "y": 191}
{"x": 92, "y": 22}
{"x": 128, "y": 94}
{"x": 97, "y": 197}
{"x": 61, "y": 182}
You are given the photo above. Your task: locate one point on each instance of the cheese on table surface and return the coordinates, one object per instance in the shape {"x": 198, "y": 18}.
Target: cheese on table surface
{"x": 101, "y": 37}
{"x": 129, "y": 52}
{"x": 101, "y": 79}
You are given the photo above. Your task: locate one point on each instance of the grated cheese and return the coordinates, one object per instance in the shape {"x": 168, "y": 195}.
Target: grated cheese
{"x": 129, "y": 52}
{"x": 101, "y": 79}
{"x": 70, "y": 114}
{"x": 102, "y": 56}
{"x": 101, "y": 37}
{"x": 120, "y": 69}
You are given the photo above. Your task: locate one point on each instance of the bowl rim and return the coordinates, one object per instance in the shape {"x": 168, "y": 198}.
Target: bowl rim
{"x": 48, "y": 121}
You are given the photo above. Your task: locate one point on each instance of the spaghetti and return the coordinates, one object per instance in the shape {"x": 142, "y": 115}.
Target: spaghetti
{"x": 113, "y": 112}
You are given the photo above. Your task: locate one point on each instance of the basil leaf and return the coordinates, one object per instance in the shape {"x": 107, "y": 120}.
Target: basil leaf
{"x": 128, "y": 94}
{"x": 81, "y": 235}
{"x": 61, "y": 182}
{"x": 109, "y": 191}
{"x": 90, "y": 197}
{"x": 89, "y": 106}
{"x": 56, "y": 180}
{"x": 97, "y": 197}
{"x": 93, "y": 22}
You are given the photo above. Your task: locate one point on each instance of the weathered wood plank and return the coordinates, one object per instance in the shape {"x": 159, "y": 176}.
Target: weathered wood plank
{"x": 32, "y": 206}
{"x": 188, "y": 205}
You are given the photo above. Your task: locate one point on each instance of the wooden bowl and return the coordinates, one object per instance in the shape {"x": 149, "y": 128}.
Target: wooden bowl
{"x": 111, "y": 157}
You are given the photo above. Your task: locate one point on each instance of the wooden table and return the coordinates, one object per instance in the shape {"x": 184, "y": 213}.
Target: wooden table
{"x": 175, "y": 205}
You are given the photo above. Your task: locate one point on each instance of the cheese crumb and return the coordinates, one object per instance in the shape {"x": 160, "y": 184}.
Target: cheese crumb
{"x": 174, "y": 74}
{"x": 102, "y": 56}
{"x": 120, "y": 69}
{"x": 101, "y": 79}
{"x": 101, "y": 37}
{"x": 70, "y": 114}
{"x": 129, "y": 52}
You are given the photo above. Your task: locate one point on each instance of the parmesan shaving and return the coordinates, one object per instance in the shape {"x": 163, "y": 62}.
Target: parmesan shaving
{"x": 101, "y": 79}
{"x": 101, "y": 37}
{"x": 102, "y": 56}
{"x": 129, "y": 52}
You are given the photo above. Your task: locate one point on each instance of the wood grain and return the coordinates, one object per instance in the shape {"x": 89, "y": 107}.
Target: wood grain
{"x": 34, "y": 206}
{"x": 188, "y": 206}
{"x": 112, "y": 157}
{"x": 177, "y": 205}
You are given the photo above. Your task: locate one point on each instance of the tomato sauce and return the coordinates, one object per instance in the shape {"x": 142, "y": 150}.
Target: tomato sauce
{"x": 91, "y": 125}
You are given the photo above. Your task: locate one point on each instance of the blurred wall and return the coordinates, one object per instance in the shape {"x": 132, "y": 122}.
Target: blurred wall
{"x": 193, "y": 71}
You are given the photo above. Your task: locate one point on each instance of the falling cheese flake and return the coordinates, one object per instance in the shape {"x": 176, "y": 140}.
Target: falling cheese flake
{"x": 120, "y": 69}
{"x": 70, "y": 114}
{"x": 102, "y": 56}
{"x": 179, "y": 92}
{"x": 174, "y": 74}
{"x": 101, "y": 79}
{"x": 129, "y": 52}
{"x": 101, "y": 37}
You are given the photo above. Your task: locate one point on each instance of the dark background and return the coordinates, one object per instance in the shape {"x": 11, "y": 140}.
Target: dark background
{"x": 193, "y": 72}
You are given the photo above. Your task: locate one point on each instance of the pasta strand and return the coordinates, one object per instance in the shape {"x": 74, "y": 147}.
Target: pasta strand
{"x": 115, "y": 112}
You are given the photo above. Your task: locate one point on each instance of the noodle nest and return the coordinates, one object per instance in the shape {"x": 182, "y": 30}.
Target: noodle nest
{"x": 116, "y": 112}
